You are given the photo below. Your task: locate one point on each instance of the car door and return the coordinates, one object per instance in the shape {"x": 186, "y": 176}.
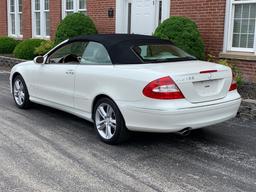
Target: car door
{"x": 94, "y": 69}
{"x": 55, "y": 81}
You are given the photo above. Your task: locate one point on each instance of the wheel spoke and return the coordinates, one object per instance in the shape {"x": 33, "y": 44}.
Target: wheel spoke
{"x": 109, "y": 111}
{"x": 16, "y": 93}
{"x": 17, "y": 85}
{"x": 108, "y": 132}
{"x": 113, "y": 126}
{"x": 20, "y": 100}
{"x": 113, "y": 121}
{"x": 102, "y": 112}
{"x": 21, "y": 86}
{"x": 101, "y": 125}
{"x": 22, "y": 95}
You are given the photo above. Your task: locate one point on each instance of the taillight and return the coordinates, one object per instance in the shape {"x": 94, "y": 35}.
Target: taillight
{"x": 163, "y": 88}
{"x": 233, "y": 85}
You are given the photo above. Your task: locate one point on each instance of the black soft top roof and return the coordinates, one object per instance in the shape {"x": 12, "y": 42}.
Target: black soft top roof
{"x": 119, "y": 45}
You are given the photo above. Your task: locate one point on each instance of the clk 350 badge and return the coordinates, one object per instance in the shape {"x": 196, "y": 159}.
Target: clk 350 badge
{"x": 187, "y": 78}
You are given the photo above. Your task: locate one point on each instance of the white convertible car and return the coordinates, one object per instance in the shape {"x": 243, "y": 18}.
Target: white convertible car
{"x": 126, "y": 83}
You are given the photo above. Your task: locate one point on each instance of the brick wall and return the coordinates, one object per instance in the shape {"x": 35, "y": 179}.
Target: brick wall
{"x": 98, "y": 11}
{"x": 248, "y": 69}
{"x": 3, "y": 18}
{"x": 26, "y": 19}
{"x": 210, "y": 17}
{"x": 55, "y": 16}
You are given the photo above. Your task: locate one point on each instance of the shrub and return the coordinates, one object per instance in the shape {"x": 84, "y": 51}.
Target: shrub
{"x": 7, "y": 45}
{"x": 44, "y": 47}
{"x": 74, "y": 25}
{"x": 26, "y": 49}
{"x": 184, "y": 33}
{"x": 236, "y": 71}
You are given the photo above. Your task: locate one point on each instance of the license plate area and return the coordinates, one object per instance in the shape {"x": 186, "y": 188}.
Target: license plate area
{"x": 207, "y": 88}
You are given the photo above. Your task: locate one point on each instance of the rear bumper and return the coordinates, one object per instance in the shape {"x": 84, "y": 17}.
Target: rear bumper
{"x": 174, "y": 117}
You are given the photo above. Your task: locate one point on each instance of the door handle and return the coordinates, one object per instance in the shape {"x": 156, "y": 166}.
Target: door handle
{"x": 70, "y": 72}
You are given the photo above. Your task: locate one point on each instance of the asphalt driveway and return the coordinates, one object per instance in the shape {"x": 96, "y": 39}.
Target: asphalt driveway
{"x": 42, "y": 149}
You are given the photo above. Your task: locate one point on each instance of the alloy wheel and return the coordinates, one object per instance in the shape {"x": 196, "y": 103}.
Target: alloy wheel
{"x": 105, "y": 120}
{"x": 19, "y": 92}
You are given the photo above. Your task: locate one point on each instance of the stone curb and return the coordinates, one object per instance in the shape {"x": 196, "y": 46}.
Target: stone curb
{"x": 9, "y": 61}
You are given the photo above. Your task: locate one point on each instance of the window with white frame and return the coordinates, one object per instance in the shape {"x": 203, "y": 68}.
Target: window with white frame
{"x": 242, "y": 26}
{"x": 15, "y": 18}
{"x": 40, "y": 19}
{"x": 72, "y": 6}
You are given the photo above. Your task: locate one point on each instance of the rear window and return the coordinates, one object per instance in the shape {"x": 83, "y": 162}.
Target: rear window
{"x": 161, "y": 53}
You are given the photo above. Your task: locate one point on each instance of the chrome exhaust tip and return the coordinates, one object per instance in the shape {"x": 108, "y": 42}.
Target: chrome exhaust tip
{"x": 185, "y": 132}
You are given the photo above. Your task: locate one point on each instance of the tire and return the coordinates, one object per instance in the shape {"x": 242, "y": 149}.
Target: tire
{"x": 109, "y": 122}
{"x": 20, "y": 92}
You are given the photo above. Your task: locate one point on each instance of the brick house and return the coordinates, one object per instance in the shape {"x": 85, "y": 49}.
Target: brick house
{"x": 228, "y": 27}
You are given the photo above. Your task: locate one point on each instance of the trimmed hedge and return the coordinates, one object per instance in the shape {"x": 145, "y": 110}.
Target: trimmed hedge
{"x": 7, "y": 45}
{"x": 45, "y": 47}
{"x": 184, "y": 33}
{"x": 74, "y": 25}
{"x": 26, "y": 49}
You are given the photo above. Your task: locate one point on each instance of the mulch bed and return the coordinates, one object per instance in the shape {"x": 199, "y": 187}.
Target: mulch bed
{"x": 247, "y": 90}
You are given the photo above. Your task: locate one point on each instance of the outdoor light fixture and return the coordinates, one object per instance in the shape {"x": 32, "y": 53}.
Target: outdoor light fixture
{"x": 110, "y": 12}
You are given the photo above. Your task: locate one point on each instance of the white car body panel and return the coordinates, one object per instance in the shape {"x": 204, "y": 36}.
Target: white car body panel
{"x": 50, "y": 85}
{"x": 55, "y": 83}
{"x": 164, "y": 116}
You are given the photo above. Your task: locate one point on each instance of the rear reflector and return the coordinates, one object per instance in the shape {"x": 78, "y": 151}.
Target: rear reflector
{"x": 163, "y": 88}
{"x": 233, "y": 85}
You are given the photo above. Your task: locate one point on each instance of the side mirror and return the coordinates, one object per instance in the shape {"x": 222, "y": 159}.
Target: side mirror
{"x": 39, "y": 60}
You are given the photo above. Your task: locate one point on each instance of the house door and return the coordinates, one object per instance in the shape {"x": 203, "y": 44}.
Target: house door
{"x": 141, "y": 16}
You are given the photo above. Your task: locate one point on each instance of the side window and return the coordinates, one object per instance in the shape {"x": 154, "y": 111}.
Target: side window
{"x": 70, "y": 53}
{"x": 95, "y": 53}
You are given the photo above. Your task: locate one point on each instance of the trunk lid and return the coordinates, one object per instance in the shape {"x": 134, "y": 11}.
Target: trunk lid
{"x": 199, "y": 81}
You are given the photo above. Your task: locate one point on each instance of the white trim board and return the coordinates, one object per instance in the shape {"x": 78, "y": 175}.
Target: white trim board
{"x": 228, "y": 28}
